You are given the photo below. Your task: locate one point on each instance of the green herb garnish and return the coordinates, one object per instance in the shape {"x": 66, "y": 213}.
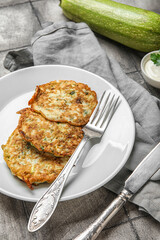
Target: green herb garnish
{"x": 73, "y": 92}
{"x": 155, "y": 57}
{"x": 28, "y": 145}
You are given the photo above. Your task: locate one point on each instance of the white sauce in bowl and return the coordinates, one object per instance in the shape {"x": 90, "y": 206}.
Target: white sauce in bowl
{"x": 152, "y": 70}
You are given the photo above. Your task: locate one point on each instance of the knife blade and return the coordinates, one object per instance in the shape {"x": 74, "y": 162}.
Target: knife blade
{"x": 144, "y": 171}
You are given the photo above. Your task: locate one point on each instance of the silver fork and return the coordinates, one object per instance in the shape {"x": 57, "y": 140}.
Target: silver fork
{"x": 95, "y": 128}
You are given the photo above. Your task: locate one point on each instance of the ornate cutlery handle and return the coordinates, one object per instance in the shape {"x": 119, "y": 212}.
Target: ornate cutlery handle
{"x": 45, "y": 207}
{"x": 92, "y": 232}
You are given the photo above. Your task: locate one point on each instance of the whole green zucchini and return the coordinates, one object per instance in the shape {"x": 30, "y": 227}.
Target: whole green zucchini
{"x": 134, "y": 27}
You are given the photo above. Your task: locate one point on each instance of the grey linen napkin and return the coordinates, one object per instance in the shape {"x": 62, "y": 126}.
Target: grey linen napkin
{"x": 74, "y": 44}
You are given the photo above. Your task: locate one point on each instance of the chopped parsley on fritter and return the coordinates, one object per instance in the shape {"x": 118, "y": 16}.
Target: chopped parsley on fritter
{"x": 64, "y": 101}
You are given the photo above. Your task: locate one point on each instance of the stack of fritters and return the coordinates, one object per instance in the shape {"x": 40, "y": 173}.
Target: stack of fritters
{"x": 28, "y": 164}
{"x": 48, "y": 133}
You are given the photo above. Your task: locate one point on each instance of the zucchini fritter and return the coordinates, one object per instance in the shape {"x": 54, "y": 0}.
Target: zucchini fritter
{"x": 59, "y": 139}
{"x": 64, "y": 101}
{"x": 28, "y": 164}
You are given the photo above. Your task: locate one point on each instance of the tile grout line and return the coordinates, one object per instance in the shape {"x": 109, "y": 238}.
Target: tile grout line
{"x": 12, "y": 5}
{"x": 25, "y": 210}
{"x": 37, "y": 0}
{"x": 124, "y": 222}
{"x": 134, "y": 60}
{"x": 136, "y": 71}
{"x": 131, "y": 224}
{"x": 27, "y": 215}
{"x": 35, "y": 13}
{"x": 16, "y": 48}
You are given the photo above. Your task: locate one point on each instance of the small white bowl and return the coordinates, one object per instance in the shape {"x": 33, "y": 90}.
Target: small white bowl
{"x": 151, "y": 81}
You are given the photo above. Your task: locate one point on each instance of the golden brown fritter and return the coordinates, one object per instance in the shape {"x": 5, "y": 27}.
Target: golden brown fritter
{"x": 28, "y": 164}
{"x": 59, "y": 139}
{"x": 64, "y": 101}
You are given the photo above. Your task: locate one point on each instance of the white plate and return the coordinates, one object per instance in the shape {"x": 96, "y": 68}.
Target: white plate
{"x": 98, "y": 165}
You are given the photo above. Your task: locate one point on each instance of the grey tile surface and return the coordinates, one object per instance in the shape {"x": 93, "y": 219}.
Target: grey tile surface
{"x": 3, "y": 71}
{"x": 5, "y": 3}
{"x": 137, "y": 59}
{"x": 119, "y": 52}
{"x": 49, "y": 10}
{"x": 14, "y": 227}
{"x": 133, "y": 212}
{"x": 121, "y": 232}
{"x": 95, "y": 202}
{"x": 147, "y": 228}
{"x": 17, "y": 26}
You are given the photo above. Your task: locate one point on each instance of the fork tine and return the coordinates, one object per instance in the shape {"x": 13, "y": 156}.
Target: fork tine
{"x": 108, "y": 115}
{"x": 106, "y": 106}
{"x": 97, "y": 109}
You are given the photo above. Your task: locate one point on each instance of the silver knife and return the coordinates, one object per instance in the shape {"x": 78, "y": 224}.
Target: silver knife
{"x": 144, "y": 171}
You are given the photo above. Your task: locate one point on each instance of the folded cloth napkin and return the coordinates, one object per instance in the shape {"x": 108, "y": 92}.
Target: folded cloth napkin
{"x": 74, "y": 44}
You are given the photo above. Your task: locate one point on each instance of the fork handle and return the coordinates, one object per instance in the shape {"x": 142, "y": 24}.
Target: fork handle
{"x": 45, "y": 207}
{"x": 92, "y": 232}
